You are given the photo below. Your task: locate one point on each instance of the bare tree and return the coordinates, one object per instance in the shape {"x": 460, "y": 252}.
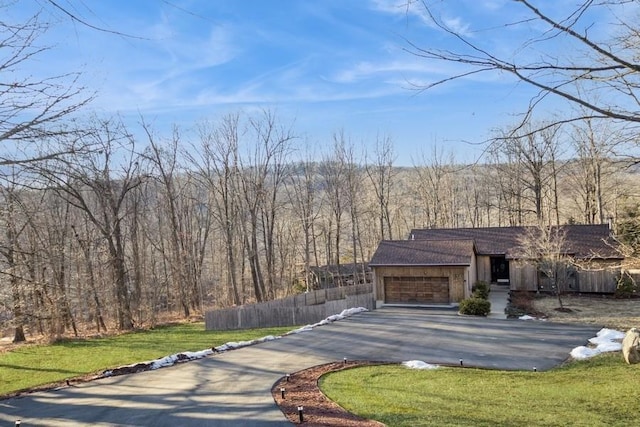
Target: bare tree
{"x": 303, "y": 197}
{"x": 333, "y": 171}
{"x": 435, "y": 188}
{"x": 546, "y": 248}
{"x": 9, "y": 250}
{"x": 381, "y": 174}
{"x": 98, "y": 184}
{"x": 600, "y": 63}
{"x": 354, "y": 197}
{"x": 187, "y": 233}
{"x": 594, "y": 168}
{"x": 217, "y": 166}
{"x": 528, "y": 162}
{"x": 33, "y": 107}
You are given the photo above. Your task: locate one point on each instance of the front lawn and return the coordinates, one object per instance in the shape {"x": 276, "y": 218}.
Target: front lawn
{"x": 33, "y": 365}
{"x": 596, "y": 392}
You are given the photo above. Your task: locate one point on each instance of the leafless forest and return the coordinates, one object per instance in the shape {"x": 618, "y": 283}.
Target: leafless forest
{"x": 115, "y": 236}
{"x": 105, "y": 227}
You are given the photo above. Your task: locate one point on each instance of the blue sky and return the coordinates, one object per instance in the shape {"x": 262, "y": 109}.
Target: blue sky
{"x": 322, "y": 65}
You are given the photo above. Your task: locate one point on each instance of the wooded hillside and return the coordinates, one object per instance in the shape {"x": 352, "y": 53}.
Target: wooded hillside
{"x": 133, "y": 229}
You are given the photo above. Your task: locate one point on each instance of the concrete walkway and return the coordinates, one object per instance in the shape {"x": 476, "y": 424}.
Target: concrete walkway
{"x": 499, "y": 298}
{"x": 233, "y": 389}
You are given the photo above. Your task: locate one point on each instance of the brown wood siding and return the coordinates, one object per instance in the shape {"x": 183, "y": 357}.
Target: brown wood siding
{"x": 416, "y": 290}
{"x": 597, "y": 281}
{"x": 484, "y": 268}
{"x": 523, "y": 277}
{"x": 600, "y": 277}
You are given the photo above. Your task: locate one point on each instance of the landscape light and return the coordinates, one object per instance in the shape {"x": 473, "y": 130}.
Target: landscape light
{"x": 282, "y": 392}
{"x": 288, "y": 375}
{"x": 535, "y": 369}
{"x": 18, "y": 423}
{"x": 461, "y": 364}
{"x": 345, "y": 360}
{"x": 300, "y": 414}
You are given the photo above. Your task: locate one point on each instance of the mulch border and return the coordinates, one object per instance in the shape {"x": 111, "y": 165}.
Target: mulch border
{"x": 301, "y": 389}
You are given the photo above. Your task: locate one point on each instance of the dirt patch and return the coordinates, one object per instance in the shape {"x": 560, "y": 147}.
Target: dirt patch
{"x": 619, "y": 314}
{"x": 301, "y": 389}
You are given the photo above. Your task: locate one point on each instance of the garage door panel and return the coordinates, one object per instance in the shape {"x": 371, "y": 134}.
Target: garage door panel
{"x": 416, "y": 290}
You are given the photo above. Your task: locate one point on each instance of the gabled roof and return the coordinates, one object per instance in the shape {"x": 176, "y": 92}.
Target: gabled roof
{"x": 581, "y": 241}
{"x": 591, "y": 241}
{"x": 423, "y": 253}
{"x": 488, "y": 241}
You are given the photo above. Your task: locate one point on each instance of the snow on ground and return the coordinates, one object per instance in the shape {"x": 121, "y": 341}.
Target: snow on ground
{"x": 527, "y": 317}
{"x": 606, "y": 340}
{"x": 343, "y": 315}
{"x": 419, "y": 364}
{"x": 185, "y": 356}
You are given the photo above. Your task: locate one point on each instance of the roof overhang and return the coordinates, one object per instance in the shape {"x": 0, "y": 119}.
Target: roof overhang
{"x": 421, "y": 265}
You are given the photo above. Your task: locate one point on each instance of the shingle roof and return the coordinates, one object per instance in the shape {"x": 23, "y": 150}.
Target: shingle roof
{"x": 488, "y": 241}
{"x": 423, "y": 253}
{"x": 581, "y": 241}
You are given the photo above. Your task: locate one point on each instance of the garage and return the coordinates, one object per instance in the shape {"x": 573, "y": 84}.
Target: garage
{"x": 416, "y": 290}
{"x": 423, "y": 272}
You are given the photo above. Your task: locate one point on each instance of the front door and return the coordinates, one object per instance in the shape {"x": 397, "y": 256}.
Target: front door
{"x": 499, "y": 270}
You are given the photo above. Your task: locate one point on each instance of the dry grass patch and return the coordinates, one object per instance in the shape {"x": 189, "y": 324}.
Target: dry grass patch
{"x": 619, "y": 314}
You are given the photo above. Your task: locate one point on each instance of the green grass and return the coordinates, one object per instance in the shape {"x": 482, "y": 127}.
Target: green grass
{"x": 603, "y": 391}
{"x": 33, "y": 365}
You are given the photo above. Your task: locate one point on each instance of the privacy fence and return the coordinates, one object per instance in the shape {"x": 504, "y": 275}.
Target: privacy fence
{"x": 303, "y": 309}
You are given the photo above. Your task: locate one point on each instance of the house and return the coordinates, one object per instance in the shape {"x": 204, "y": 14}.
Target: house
{"x": 440, "y": 266}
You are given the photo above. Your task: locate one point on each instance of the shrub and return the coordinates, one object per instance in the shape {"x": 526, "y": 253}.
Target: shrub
{"x": 627, "y": 287}
{"x": 475, "y": 306}
{"x": 481, "y": 290}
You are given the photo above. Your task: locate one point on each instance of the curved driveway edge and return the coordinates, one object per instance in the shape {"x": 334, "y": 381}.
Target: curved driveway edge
{"x": 233, "y": 388}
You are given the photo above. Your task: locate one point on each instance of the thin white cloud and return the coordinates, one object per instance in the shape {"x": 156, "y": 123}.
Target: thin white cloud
{"x": 458, "y": 25}
{"x": 395, "y": 7}
{"x": 397, "y": 67}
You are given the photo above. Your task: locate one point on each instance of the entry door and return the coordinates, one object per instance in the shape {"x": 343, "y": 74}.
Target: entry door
{"x": 499, "y": 270}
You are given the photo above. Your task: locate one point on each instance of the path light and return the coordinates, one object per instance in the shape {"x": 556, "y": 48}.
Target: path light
{"x": 282, "y": 392}
{"x": 345, "y": 360}
{"x": 461, "y": 364}
{"x": 288, "y": 376}
{"x": 18, "y": 423}
{"x": 300, "y": 414}
{"x": 535, "y": 369}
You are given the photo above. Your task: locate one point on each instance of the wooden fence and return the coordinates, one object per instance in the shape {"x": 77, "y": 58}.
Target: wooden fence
{"x": 599, "y": 281}
{"x": 303, "y": 309}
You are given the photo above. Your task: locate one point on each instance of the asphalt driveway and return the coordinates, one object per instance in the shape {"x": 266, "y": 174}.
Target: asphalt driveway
{"x": 234, "y": 388}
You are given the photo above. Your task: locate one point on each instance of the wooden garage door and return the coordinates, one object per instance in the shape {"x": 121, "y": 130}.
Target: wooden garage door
{"x": 416, "y": 290}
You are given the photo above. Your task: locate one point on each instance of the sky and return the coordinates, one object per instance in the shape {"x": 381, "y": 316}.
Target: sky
{"x": 323, "y": 67}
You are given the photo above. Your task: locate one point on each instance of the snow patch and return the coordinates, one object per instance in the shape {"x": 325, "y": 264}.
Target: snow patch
{"x": 606, "y": 340}
{"x": 333, "y": 318}
{"x": 419, "y": 364}
{"x": 526, "y": 317}
{"x": 186, "y": 356}
{"x": 606, "y": 335}
{"x": 582, "y": 352}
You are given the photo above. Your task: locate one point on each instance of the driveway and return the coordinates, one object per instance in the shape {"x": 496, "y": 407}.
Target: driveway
{"x": 234, "y": 388}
